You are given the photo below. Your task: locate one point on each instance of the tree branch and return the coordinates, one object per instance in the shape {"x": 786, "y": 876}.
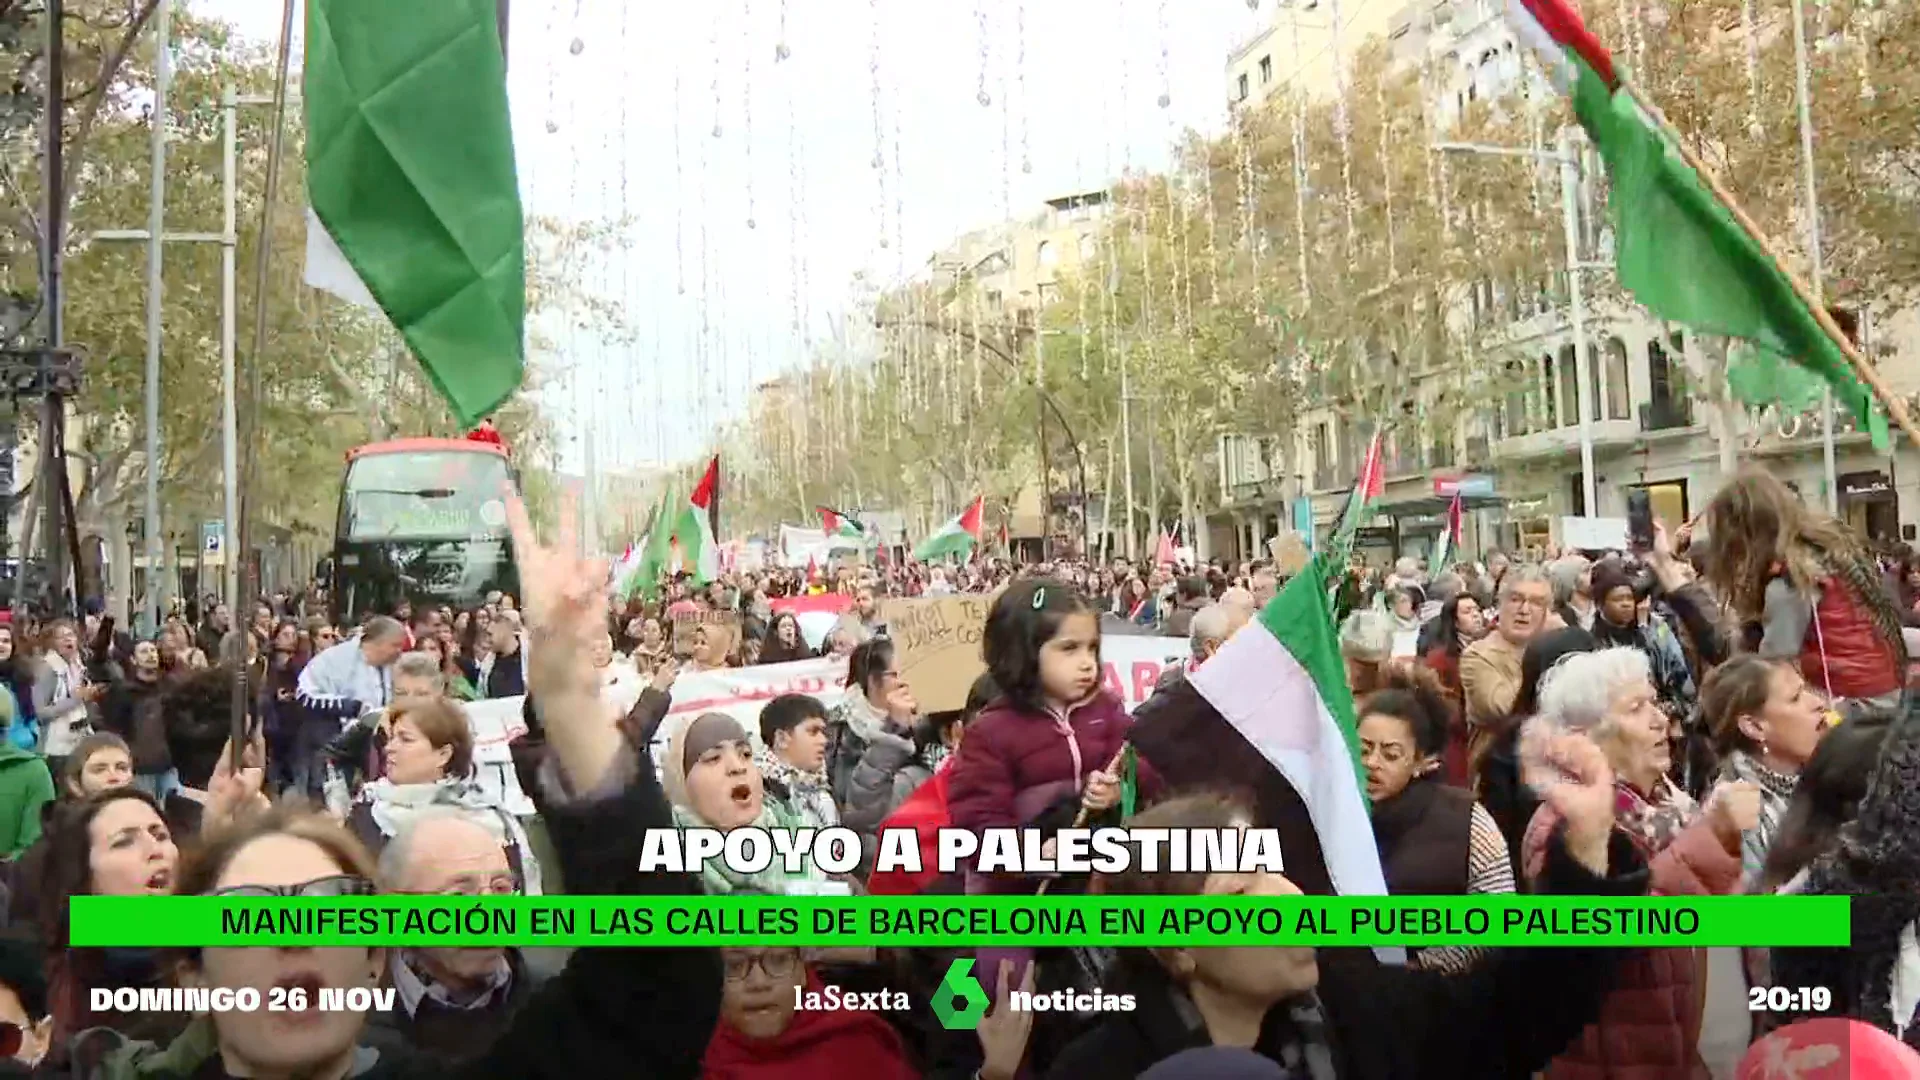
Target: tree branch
{"x": 110, "y": 65}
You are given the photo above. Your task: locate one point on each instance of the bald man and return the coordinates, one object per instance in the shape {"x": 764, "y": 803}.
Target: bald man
{"x": 452, "y": 1002}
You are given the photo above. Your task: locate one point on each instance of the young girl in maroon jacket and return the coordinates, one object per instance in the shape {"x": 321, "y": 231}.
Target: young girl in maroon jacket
{"x": 1039, "y": 754}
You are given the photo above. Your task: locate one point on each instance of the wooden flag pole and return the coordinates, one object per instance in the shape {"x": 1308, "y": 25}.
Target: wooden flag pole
{"x": 1862, "y": 367}
{"x": 1080, "y": 819}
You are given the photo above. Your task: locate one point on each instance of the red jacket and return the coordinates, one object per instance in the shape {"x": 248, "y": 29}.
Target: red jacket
{"x": 1013, "y": 765}
{"x": 1844, "y": 653}
{"x": 1649, "y": 1026}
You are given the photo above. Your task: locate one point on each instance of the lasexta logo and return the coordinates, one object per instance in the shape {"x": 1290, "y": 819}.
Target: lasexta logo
{"x": 959, "y": 1001}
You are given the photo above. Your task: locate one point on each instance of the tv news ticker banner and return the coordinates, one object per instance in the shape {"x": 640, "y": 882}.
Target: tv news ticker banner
{"x": 947, "y": 921}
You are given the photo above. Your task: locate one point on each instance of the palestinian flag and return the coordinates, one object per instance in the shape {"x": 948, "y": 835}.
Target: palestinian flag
{"x": 956, "y": 537}
{"x": 1448, "y": 541}
{"x": 699, "y": 525}
{"x": 657, "y": 553}
{"x": 1271, "y": 714}
{"x": 414, "y": 200}
{"x": 838, "y": 525}
{"x": 1684, "y": 254}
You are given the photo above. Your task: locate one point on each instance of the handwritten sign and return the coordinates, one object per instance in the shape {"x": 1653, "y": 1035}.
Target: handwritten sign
{"x": 937, "y": 646}
{"x": 687, "y": 623}
{"x": 495, "y": 724}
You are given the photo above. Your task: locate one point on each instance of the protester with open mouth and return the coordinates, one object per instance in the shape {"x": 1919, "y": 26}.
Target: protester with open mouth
{"x": 115, "y": 843}
{"x": 713, "y": 782}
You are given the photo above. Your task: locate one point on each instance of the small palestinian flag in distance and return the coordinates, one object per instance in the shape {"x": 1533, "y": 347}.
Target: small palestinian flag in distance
{"x": 957, "y": 537}
{"x": 834, "y": 523}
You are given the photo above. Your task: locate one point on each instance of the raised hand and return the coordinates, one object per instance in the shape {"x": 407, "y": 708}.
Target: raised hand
{"x": 1572, "y": 775}
{"x": 1003, "y": 1032}
{"x": 1733, "y": 808}
{"x": 233, "y": 793}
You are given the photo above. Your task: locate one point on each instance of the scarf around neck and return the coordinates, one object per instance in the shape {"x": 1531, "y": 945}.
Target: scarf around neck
{"x": 393, "y": 805}
{"x": 1653, "y": 820}
{"x": 781, "y": 771}
{"x": 720, "y": 880}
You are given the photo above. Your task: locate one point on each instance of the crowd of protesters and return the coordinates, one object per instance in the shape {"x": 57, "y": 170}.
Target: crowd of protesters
{"x": 1721, "y": 712}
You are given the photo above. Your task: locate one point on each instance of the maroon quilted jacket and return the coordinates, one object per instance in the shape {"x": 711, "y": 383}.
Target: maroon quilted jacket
{"x": 1649, "y": 1026}
{"x": 1013, "y": 765}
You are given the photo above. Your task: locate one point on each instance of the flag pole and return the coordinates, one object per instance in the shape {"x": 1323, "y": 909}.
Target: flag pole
{"x": 1896, "y": 408}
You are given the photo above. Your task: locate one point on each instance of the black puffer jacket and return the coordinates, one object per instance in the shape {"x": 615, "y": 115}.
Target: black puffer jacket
{"x": 136, "y": 710}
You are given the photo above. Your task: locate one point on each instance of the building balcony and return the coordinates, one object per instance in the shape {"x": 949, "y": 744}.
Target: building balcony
{"x": 1665, "y": 414}
{"x": 1555, "y": 442}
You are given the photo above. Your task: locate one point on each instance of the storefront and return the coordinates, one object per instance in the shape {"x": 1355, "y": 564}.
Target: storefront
{"x": 1869, "y": 505}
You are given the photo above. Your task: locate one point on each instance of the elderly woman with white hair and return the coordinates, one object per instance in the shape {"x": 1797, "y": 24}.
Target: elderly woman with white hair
{"x": 1650, "y": 1024}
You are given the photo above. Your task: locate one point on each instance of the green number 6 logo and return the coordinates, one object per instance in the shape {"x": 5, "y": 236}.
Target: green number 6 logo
{"x": 959, "y": 1001}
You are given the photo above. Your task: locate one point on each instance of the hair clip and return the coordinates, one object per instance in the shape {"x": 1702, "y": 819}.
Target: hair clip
{"x": 1039, "y": 598}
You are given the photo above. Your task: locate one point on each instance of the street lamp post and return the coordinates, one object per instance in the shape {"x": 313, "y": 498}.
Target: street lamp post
{"x": 1566, "y": 155}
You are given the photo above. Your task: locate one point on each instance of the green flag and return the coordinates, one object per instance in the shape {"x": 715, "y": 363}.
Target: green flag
{"x": 415, "y": 205}
{"x": 1686, "y": 258}
{"x": 658, "y": 548}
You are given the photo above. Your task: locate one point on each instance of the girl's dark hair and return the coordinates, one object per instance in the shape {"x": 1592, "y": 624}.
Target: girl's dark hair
{"x": 68, "y": 871}
{"x": 1737, "y": 688}
{"x": 1416, "y": 696}
{"x": 869, "y": 661}
{"x": 1828, "y": 796}
{"x": 1027, "y": 616}
{"x": 1446, "y": 626}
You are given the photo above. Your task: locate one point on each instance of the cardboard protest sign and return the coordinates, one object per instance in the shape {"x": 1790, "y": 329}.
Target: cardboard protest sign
{"x": 1289, "y": 553}
{"x": 937, "y": 646}
{"x": 685, "y": 623}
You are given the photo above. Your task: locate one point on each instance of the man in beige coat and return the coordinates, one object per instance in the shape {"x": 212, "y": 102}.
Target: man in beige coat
{"x": 1490, "y": 667}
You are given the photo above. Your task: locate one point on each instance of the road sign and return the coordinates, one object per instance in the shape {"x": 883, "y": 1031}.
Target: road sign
{"x": 213, "y": 536}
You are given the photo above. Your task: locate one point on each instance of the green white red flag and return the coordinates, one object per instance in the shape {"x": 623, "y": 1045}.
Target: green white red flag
{"x": 956, "y": 537}
{"x": 1682, "y": 252}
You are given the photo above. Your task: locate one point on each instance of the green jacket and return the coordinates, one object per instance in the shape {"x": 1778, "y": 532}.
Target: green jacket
{"x": 25, "y": 787}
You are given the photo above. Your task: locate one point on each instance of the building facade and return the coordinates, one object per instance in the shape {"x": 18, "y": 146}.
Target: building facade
{"x": 1300, "y": 43}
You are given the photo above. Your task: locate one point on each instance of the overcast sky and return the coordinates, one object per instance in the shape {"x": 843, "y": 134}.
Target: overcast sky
{"x": 594, "y": 85}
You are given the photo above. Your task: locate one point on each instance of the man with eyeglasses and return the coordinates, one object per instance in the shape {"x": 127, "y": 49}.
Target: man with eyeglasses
{"x": 1490, "y": 667}
{"x": 452, "y": 1002}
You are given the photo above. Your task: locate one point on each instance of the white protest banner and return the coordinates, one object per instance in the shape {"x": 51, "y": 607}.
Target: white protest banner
{"x": 1130, "y": 666}
{"x": 495, "y": 724}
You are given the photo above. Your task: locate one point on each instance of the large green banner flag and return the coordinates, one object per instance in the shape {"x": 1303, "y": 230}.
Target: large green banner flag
{"x": 410, "y": 173}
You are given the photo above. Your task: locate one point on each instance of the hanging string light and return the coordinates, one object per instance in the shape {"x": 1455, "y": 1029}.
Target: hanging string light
{"x": 794, "y": 199}
{"x": 713, "y": 43}
{"x": 980, "y": 21}
{"x": 899, "y": 192}
{"x": 679, "y": 197}
{"x": 1869, "y": 17}
{"x": 746, "y": 104}
{"x": 1006, "y": 152}
{"x": 1342, "y": 120}
{"x": 1386, "y": 170}
{"x": 1300, "y": 171}
{"x": 553, "y": 115}
{"x": 1430, "y": 89}
{"x": 1020, "y": 68}
{"x": 780, "y": 51}
{"x": 1166, "y": 62}
{"x": 1213, "y": 225}
{"x": 879, "y": 160}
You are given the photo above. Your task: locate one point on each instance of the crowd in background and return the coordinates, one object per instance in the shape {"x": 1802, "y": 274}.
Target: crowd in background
{"x": 1704, "y": 716}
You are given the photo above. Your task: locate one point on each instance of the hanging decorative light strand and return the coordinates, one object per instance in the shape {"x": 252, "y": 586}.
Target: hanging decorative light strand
{"x": 1301, "y": 173}
{"x": 794, "y": 199}
{"x": 1750, "y": 30}
{"x": 1166, "y": 61}
{"x": 746, "y": 104}
{"x": 1020, "y": 75}
{"x": 1386, "y": 170}
{"x": 713, "y": 43}
{"x": 1342, "y": 118}
{"x": 879, "y": 160}
{"x": 780, "y": 51}
{"x": 980, "y": 22}
{"x": 1867, "y": 16}
{"x": 679, "y": 197}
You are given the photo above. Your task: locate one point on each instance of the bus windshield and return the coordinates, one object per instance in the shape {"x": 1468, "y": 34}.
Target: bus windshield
{"x": 431, "y": 495}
